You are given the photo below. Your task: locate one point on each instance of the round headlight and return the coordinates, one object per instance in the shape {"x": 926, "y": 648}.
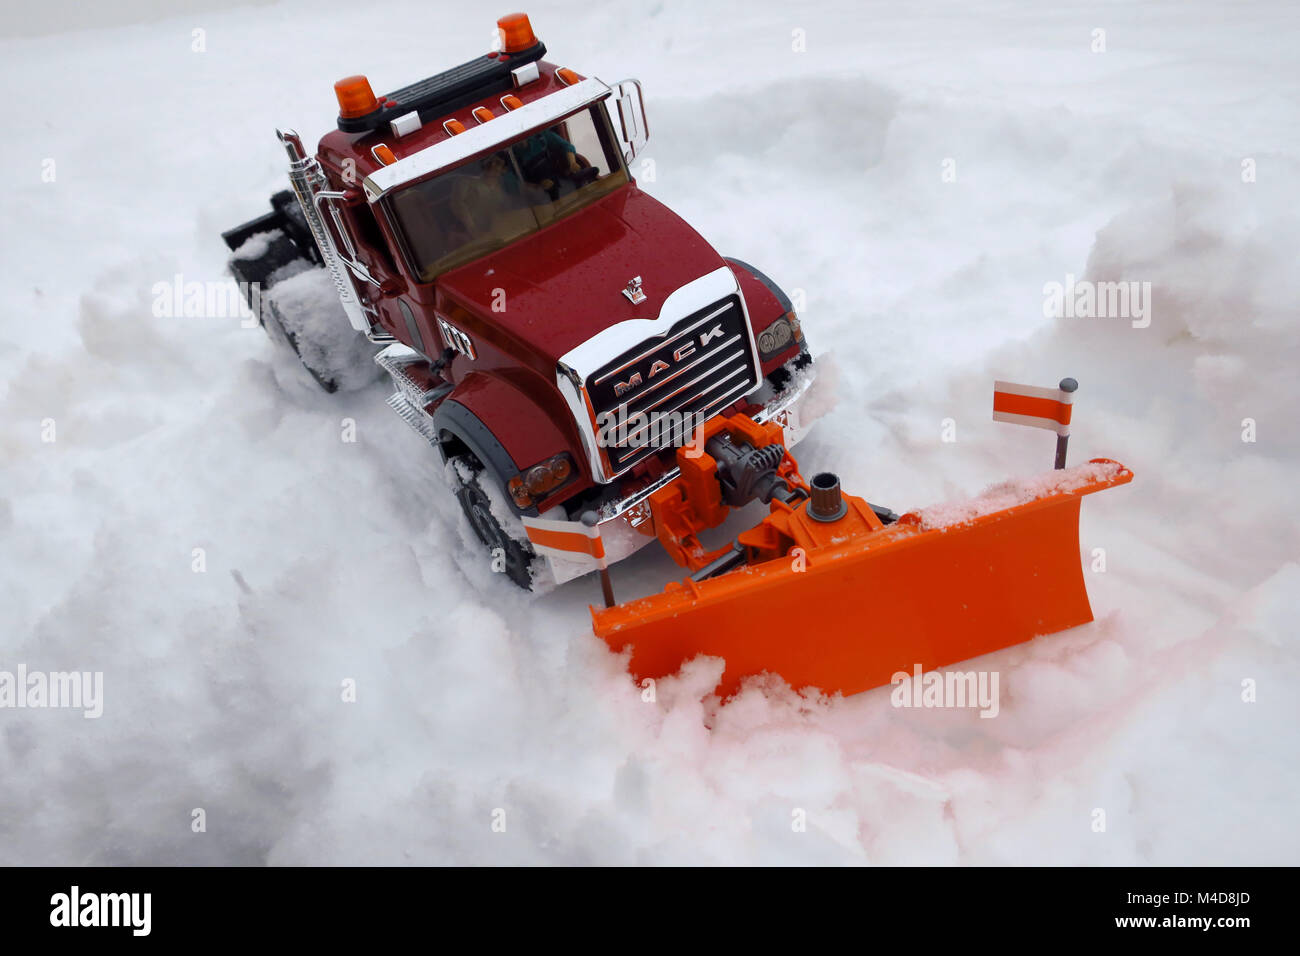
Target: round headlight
{"x": 547, "y": 476}
{"x": 776, "y": 337}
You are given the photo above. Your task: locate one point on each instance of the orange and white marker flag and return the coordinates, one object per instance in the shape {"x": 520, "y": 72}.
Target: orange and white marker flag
{"x": 1033, "y": 406}
{"x": 570, "y": 540}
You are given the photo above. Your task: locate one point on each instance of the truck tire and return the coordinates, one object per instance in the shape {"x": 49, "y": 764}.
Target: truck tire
{"x": 302, "y": 309}
{"x": 294, "y": 299}
{"x": 512, "y": 548}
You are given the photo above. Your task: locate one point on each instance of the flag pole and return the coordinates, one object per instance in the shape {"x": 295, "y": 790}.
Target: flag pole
{"x": 590, "y": 519}
{"x": 1069, "y": 386}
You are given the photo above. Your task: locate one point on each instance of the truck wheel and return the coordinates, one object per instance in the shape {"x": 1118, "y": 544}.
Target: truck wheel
{"x": 306, "y": 309}
{"x": 296, "y": 303}
{"x": 513, "y": 550}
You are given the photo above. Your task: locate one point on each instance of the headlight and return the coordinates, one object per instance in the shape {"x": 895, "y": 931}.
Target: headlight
{"x": 536, "y": 482}
{"x": 777, "y": 337}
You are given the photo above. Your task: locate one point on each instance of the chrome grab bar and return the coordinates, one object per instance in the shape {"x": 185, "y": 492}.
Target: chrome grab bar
{"x": 308, "y": 181}
{"x": 349, "y": 259}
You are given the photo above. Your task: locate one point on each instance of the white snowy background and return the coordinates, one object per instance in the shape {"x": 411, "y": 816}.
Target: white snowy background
{"x": 328, "y": 560}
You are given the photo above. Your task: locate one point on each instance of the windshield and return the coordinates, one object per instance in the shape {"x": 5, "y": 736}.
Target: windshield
{"x": 490, "y": 201}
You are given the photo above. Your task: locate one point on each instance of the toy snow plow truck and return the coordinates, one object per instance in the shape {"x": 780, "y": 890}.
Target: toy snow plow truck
{"x": 597, "y": 377}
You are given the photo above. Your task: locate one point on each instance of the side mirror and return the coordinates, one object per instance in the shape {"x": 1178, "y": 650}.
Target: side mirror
{"x": 627, "y": 112}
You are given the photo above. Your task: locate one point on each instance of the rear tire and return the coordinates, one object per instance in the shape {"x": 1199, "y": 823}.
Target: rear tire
{"x": 513, "y": 550}
{"x": 302, "y": 310}
{"x": 293, "y": 297}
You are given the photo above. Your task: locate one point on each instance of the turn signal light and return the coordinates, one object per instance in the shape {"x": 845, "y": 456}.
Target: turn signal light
{"x": 516, "y": 33}
{"x": 535, "y": 483}
{"x": 385, "y": 155}
{"x": 567, "y": 76}
{"x": 355, "y": 97}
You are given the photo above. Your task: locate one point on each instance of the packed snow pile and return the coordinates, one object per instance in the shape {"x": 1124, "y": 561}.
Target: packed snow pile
{"x": 306, "y": 303}
{"x": 1018, "y": 491}
{"x": 305, "y": 654}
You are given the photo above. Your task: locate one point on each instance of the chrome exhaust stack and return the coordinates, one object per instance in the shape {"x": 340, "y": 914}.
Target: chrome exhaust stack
{"x": 308, "y": 182}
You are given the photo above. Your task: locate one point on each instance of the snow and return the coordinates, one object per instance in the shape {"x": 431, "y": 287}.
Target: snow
{"x": 307, "y": 302}
{"x": 327, "y": 560}
{"x": 1017, "y": 491}
{"x": 256, "y": 245}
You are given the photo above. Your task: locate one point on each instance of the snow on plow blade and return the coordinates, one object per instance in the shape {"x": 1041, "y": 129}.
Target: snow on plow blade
{"x": 843, "y": 606}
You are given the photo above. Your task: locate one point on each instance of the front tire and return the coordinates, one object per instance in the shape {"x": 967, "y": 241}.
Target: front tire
{"x": 511, "y": 554}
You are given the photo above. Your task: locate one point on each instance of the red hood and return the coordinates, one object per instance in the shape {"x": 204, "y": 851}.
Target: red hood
{"x": 564, "y": 284}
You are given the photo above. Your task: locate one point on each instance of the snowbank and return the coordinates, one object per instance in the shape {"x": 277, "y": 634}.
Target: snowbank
{"x": 298, "y": 634}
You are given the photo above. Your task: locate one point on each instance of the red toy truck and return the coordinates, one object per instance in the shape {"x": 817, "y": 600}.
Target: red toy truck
{"x": 598, "y": 377}
{"x": 548, "y": 325}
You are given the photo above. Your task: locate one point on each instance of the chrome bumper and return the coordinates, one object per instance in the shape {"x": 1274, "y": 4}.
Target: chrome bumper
{"x": 626, "y": 524}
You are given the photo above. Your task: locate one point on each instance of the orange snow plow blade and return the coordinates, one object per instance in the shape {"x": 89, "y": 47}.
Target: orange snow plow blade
{"x": 843, "y": 605}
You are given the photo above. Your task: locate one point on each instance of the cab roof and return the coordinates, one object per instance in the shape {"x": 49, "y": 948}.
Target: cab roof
{"x": 440, "y": 106}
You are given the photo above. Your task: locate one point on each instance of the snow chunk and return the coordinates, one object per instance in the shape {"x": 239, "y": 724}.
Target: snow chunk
{"x": 1016, "y": 491}
{"x": 257, "y": 245}
{"x": 307, "y": 305}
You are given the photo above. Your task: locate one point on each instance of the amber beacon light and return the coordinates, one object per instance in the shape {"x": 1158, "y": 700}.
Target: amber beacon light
{"x": 355, "y": 97}
{"x": 516, "y": 33}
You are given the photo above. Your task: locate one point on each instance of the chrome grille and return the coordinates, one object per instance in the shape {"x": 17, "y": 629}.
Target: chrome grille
{"x": 703, "y": 364}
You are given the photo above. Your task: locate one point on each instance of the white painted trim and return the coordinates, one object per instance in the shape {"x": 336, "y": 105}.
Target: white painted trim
{"x": 581, "y": 559}
{"x": 480, "y": 139}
